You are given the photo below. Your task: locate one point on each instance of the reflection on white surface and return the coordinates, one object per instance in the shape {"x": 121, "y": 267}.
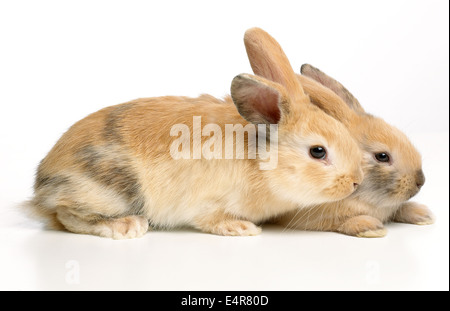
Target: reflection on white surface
{"x": 410, "y": 257}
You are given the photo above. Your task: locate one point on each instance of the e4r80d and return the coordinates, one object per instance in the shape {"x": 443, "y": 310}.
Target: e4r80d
{"x": 246, "y": 300}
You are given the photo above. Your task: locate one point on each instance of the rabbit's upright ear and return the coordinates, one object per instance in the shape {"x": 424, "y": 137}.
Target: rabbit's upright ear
{"x": 332, "y": 84}
{"x": 258, "y": 100}
{"x": 269, "y": 61}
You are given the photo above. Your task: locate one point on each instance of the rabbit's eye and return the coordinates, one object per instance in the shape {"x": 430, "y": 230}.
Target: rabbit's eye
{"x": 382, "y": 157}
{"x": 318, "y": 152}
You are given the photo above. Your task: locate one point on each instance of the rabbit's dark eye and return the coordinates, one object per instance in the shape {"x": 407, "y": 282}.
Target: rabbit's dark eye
{"x": 318, "y": 152}
{"x": 382, "y": 157}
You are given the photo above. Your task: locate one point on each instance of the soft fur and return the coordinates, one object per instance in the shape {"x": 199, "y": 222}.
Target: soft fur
{"x": 384, "y": 193}
{"x": 111, "y": 174}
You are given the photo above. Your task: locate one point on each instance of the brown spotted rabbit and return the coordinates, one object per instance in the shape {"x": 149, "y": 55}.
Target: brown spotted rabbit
{"x": 120, "y": 169}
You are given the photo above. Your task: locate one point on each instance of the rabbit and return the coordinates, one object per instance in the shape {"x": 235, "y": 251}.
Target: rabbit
{"x": 114, "y": 174}
{"x": 392, "y": 169}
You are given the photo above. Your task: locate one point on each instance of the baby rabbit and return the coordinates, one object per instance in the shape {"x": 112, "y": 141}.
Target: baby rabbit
{"x": 116, "y": 172}
{"x": 392, "y": 169}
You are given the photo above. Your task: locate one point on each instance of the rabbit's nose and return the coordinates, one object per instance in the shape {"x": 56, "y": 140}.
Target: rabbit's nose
{"x": 420, "y": 179}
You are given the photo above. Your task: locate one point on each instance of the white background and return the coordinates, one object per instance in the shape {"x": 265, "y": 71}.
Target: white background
{"x": 61, "y": 60}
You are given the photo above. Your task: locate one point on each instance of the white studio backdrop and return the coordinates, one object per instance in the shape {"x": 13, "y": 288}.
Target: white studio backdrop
{"x": 61, "y": 60}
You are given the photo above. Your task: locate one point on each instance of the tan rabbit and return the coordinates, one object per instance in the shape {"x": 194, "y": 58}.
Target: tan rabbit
{"x": 114, "y": 173}
{"x": 392, "y": 169}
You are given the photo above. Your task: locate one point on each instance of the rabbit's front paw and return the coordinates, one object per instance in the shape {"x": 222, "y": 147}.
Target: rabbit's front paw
{"x": 236, "y": 228}
{"x": 363, "y": 226}
{"x": 414, "y": 213}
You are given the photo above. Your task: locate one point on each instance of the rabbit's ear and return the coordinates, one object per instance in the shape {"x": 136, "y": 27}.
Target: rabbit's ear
{"x": 332, "y": 84}
{"x": 327, "y": 100}
{"x": 258, "y": 100}
{"x": 269, "y": 61}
